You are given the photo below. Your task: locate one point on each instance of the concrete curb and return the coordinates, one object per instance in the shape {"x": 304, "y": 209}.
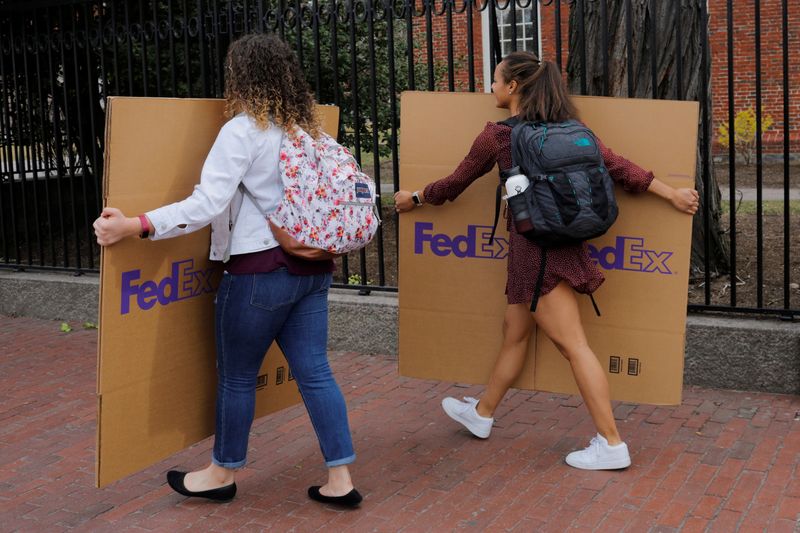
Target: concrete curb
{"x": 363, "y": 324}
{"x": 749, "y": 194}
{"x": 743, "y": 354}
{"x": 49, "y": 295}
{"x": 721, "y": 352}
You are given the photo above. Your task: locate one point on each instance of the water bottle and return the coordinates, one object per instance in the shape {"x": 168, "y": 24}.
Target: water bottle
{"x": 516, "y": 181}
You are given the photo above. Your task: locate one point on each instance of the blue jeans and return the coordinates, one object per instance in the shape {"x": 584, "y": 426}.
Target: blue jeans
{"x": 253, "y": 310}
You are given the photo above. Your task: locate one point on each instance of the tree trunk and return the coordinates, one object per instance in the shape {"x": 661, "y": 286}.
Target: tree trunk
{"x": 659, "y": 19}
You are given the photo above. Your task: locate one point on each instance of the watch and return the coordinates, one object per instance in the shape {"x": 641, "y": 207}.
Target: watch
{"x": 415, "y": 197}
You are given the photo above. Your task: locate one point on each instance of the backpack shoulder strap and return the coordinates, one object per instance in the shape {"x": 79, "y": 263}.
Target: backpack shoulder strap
{"x": 247, "y": 193}
{"x": 514, "y": 137}
{"x": 594, "y": 304}
{"x": 514, "y": 123}
{"x": 510, "y": 122}
{"x": 539, "y": 279}
{"x": 496, "y": 212}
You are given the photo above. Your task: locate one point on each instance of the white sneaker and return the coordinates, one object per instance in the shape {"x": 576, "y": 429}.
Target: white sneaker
{"x": 466, "y": 414}
{"x": 600, "y": 456}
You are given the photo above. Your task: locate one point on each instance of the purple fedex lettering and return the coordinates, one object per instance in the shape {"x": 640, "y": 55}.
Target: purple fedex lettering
{"x": 496, "y": 249}
{"x": 475, "y": 244}
{"x": 147, "y": 295}
{"x": 629, "y": 253}
{"x": 183, "y": 270}
{"x": 183, "y": 282}
{"x": 658, "y": 262}
{"x": 441, "y": 244}
{"x": 128, "y": 289}
{"x": 632, "y": 254}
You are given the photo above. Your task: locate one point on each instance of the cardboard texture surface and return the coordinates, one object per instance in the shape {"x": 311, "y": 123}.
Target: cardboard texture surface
{"x": 156, "y": 383}
{"x": 452, "y": 281}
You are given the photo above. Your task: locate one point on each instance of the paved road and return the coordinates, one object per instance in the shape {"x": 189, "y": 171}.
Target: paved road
{"x": 721, "y": 461}
{"x": 749, "y": 194}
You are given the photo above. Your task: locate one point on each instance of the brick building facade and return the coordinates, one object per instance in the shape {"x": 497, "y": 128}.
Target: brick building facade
{"x": 744, "y": 67}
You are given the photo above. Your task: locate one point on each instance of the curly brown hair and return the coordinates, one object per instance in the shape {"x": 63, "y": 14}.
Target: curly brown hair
{"x": 265, "y": 80}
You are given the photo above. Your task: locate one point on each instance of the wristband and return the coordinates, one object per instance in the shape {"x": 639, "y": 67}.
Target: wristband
{"x": 145, "y": 227}
{"x": 416, "y": 199}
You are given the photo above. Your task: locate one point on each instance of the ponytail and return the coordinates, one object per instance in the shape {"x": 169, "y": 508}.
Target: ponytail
{"x": 543, "y": 94}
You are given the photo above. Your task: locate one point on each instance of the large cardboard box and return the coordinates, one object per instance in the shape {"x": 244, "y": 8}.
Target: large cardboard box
{"x": 452, "y": 280}
{"x": 156, "y": 376}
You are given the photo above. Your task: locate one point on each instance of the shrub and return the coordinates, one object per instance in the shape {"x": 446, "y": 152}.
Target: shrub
{"x": 744, "y": 133}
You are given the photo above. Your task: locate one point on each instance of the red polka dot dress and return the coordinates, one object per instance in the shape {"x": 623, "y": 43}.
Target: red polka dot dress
{"x": 570, "y": 263}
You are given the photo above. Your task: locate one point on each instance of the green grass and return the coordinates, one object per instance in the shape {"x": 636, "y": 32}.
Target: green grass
{"x": 769, "y": 207}
{"x": 367, "y": 159}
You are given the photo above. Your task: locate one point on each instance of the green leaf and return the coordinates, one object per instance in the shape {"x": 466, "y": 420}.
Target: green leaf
{"x": 89, "y": 325}
{"x": 66, "y": 328}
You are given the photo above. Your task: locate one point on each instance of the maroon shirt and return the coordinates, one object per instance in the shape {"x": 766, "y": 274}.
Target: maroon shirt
{"x": 570, "y": 263}
{"x": 273, "y": 259}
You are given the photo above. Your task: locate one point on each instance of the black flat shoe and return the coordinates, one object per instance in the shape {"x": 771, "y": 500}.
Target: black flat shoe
{"x": 221, "y": 494}
{"x": 351, "y": 499}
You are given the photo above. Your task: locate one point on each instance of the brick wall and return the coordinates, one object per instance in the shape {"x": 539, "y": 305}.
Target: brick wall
{"x": 744, "y": 60}
{"x": 548, "y": 29}
{"x": 460, "y": 57}
{"x": 744, "y": 63}
{"x": 439, "y": 30}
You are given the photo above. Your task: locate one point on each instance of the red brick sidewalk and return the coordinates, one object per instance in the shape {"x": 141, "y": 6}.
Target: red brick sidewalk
{"x": 721, "y": 461}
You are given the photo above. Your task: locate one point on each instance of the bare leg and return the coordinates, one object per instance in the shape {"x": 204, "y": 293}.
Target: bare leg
{"x": 517, "y": 326}
{"x": 211, "y": 477}
{"x": 339, "y": 482}
{"x": 558, "y": 317}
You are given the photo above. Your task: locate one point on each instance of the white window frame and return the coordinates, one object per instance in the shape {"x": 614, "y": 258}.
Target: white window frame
{"x": 485, "y": 36}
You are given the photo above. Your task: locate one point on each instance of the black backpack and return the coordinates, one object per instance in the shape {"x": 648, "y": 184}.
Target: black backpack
{"x": 570, "y": 197}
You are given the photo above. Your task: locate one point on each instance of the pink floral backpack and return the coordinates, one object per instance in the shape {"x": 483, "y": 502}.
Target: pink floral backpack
{"x": 328, "y": 203}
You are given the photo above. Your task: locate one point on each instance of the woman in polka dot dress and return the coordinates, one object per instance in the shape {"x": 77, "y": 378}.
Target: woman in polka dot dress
{"x": 534, "y": 90}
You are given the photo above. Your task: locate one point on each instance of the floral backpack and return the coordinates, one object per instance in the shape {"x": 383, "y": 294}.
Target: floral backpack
{"x": 328, "y": 203}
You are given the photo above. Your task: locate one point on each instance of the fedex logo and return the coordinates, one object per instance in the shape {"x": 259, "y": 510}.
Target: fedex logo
{"x": 475, "y": 243}
{"x": 184, "y": 282}
{"x": 629, "y": 253}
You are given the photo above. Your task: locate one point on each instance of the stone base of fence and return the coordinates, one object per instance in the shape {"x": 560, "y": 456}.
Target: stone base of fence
{"x": 721, "y": 352}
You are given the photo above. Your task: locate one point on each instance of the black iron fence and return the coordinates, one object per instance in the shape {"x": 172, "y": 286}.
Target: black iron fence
{"x": 60, "y": 59}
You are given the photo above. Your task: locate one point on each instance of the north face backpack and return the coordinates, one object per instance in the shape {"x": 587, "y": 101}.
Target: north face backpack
{"x": 570, "y": 197}
{"x": 328, "y": 203}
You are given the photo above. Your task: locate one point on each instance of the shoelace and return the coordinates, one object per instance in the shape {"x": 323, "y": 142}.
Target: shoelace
{"x": 594, "y": 446}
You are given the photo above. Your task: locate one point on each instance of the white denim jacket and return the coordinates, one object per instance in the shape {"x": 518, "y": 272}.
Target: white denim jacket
{"x": 242, "y": 153}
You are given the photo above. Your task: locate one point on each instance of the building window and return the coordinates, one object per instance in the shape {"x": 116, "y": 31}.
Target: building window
{"x": 528, "y": 23}
{"x": 527, "y": 33}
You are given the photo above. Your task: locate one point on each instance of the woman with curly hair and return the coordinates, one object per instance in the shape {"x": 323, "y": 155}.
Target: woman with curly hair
{"x": 265, "y": 294}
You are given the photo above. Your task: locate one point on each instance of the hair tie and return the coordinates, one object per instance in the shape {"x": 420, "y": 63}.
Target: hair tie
{"x": 538, "y": 70}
